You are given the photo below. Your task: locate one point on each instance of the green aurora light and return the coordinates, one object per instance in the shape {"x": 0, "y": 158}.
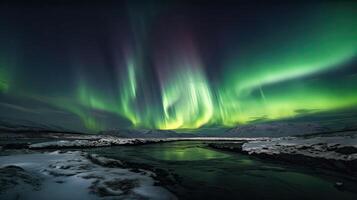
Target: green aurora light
{"x": 268, "y": 78}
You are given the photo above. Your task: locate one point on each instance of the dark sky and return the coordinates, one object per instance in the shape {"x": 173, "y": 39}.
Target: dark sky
{"x": 174, "y": 64}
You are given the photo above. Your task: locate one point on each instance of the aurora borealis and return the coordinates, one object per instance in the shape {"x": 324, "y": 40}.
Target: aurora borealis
{"x": 178, "y": 65}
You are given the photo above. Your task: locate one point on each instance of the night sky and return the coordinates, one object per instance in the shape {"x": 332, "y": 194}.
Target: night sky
{"x": 174, "y": 65}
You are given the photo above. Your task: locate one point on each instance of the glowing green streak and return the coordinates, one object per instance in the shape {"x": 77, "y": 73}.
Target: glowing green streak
{"x": 186, "y": 100}
{"x": 4, "y": 78}
{"x": 258, "y": 83}
{"x": 128, "y": 93}
{"x": 123, "y": 105}
{"x": 89, "y": 121}
{"x": 317, "y": 44}
{"x": 4, "y": 84}
{"x": 87, "y": 97}
{"x": 314, "y": 96}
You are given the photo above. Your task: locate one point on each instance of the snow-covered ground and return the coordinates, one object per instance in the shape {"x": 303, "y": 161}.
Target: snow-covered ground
{"x": 336, "y": 148}
{"x": 332, "y": 152}
{"x": 106, "y": 141}
{"x": 74, "y": 175}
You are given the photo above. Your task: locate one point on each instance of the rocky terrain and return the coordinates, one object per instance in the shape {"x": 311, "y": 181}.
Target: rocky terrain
{"x": 333, "y": 152}
{"x": 54, "y": 175}
{"x": 62, "y": 141}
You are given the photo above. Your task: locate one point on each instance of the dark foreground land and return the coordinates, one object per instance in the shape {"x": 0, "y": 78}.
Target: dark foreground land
{"x": 79, "y": 166}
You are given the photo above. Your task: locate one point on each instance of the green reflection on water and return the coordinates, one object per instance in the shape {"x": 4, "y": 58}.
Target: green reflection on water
{"x": 187, "y": 154}
{"x": 205, "y": 173}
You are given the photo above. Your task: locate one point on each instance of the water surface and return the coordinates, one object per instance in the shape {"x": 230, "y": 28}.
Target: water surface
{"x": 204, "y": 173}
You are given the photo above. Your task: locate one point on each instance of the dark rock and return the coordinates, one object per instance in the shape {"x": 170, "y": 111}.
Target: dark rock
{"x": 236, "y": 147}
{"x": 116, "y": 187}
{"x": 60, "y": 181}
{"x": 103, "y": 161}
{"x": 347, "y": 150}
{"x": 123, "y": 185}
{"x": 16, "y": 146}
{"x": 339, "y": 185}
{"x": 10, "y": 176}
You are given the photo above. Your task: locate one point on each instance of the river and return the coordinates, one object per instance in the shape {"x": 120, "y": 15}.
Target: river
{"x": 194, "y": 171}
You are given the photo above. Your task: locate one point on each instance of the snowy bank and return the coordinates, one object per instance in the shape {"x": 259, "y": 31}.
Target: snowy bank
{"x": 107, "y": 141}
{"x": 337, "y": 152}
{"x": 335, "y": 148}
{"x": 74, "y": 175}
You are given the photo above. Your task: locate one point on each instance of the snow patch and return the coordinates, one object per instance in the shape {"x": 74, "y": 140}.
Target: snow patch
{"x": 335, "y": 148}
{"x": 73, "y": 175}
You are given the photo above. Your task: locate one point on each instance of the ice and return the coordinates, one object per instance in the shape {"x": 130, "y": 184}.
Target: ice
{"x": 72, "y": 175}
